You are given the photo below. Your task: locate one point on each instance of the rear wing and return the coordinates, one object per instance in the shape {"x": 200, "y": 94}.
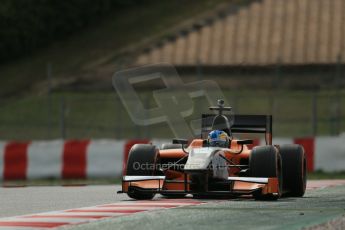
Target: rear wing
{"x": 242, "y": 124}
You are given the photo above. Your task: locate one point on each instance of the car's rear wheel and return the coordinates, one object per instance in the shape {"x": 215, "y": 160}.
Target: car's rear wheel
{"x": 265, "y": 161}
{"x": 141, "y": 161}
{"x": 294, "y": 170}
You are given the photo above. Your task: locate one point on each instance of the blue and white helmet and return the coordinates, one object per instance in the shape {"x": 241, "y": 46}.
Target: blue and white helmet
{"x": 218, "y": 138}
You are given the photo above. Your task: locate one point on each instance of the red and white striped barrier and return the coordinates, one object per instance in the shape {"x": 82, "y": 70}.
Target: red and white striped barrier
{"x": 107, "y": 158}
{"x": 60, "y": 159}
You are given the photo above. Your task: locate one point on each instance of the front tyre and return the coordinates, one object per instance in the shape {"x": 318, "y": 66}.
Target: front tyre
{"x": 265, "y": 161}
{"x": 141, "y": 155}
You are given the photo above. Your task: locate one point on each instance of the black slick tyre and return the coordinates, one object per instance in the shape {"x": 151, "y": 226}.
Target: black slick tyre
{"x": 141, "y": 162}
{"x": 265, "y": 161}
{"x": 294, "y": 170}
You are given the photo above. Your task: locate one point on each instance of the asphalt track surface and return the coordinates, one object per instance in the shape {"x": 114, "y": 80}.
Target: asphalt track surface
{"x": 99, "y": 207}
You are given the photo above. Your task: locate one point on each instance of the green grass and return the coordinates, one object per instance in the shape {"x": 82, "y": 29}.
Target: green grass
{"x": 102, "y": 115}
{"x": 95, "y": 53}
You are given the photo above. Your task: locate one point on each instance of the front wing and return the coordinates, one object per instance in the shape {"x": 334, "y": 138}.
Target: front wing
{"x": 235, "y": 185}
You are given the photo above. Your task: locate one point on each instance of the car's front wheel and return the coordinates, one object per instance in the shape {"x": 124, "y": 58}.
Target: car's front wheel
{"x": 142, "y": 161}
{"x": 265, "y": 161}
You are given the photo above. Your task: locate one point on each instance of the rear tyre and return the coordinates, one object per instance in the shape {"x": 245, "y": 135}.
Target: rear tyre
{"x": 265, "y": 161}
{"x": 294, "y": 170}
{"x": 140, "y": 161}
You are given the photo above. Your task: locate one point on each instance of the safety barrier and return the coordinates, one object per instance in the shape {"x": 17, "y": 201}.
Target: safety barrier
{"x": 107, "y": 158}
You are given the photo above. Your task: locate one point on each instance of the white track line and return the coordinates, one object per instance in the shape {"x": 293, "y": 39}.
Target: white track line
{"x": 55, "y": 219}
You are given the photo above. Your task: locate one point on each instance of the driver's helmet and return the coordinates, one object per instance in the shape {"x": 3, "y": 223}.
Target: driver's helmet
{"x": 218, "y": 138}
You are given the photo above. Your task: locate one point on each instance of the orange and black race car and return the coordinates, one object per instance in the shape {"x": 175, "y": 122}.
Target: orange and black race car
{"x": 216, "y": 164}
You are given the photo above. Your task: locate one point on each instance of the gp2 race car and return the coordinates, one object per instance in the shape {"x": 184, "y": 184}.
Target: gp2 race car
{"x": 196, "y": 167}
